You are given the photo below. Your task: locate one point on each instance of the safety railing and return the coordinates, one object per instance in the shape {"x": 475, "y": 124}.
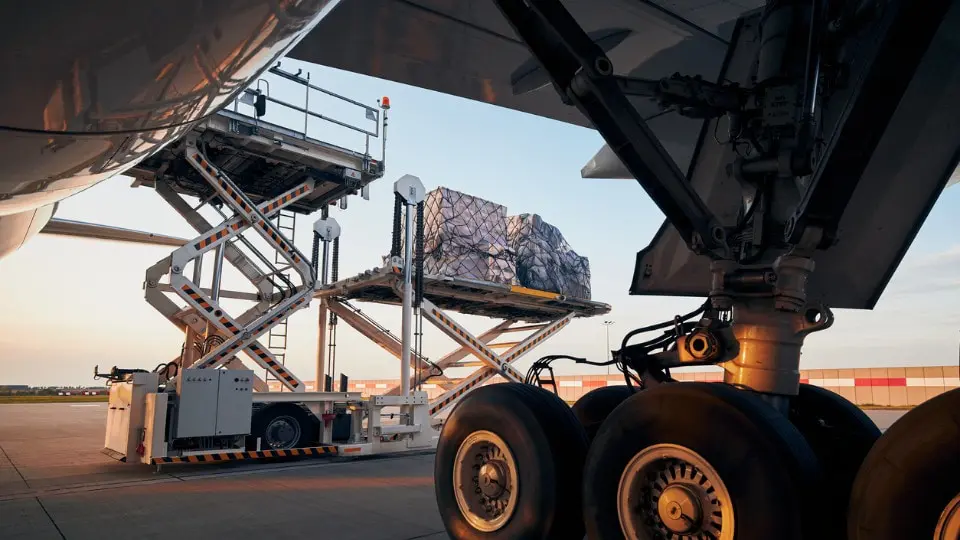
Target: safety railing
{"x": 258, "y": 99}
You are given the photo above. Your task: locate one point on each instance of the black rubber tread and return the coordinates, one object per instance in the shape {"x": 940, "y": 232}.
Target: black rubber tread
{"x": 593, "y": 407}
{"x": 841, "y": 435}
{"x": 569, "y": 445}
{"x": 262, "y": 417}
{"x": 910, "y": 475}
{"x": 763, "y": 460}
{"x": 546, "y": 441}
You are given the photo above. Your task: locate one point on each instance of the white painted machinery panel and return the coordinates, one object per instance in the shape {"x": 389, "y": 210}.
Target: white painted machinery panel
{"x": 125, "y": 414}
{"x": 234, "y": 402}
{"x": 197, "y": 406}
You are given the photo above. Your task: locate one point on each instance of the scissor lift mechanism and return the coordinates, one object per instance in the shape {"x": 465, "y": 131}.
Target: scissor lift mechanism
{"x": 255, "y": 170}
{"x": 542, "y": 314}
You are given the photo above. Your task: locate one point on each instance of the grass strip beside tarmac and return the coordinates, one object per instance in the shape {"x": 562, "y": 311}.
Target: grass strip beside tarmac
{"x": 53, "y": 399}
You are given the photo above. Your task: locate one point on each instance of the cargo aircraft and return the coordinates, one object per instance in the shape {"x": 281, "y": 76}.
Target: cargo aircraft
{"x": 794, "y": 146}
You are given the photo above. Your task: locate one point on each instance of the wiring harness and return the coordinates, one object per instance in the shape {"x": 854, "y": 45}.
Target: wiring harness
{"x": 634, "y": 361}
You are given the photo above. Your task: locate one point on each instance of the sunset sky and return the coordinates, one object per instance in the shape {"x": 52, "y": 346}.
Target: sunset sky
{"x": 72, "y": 303}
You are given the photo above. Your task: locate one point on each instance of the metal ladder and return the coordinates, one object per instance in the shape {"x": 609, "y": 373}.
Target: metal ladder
{"x": 204, "y": 315}
{"x": 286, "y": 223}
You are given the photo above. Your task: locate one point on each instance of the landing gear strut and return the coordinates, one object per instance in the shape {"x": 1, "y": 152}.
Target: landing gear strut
{"x": 812, "y": 94}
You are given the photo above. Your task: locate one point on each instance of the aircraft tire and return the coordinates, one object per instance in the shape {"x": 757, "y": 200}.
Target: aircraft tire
{"x": 509, "y": 464}
{"x": 593, "y": 407}
{"x": 841, "y": 435}
{"x": 909, "y": 483}
{"x": 701, "y": 455}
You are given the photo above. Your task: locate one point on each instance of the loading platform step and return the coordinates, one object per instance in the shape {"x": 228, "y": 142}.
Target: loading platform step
{"x": 266, "y": 159}
{"x": 471, "y": 297}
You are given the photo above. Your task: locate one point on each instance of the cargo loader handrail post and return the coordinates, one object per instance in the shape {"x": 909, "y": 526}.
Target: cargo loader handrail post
{"x": 411, "y": 192}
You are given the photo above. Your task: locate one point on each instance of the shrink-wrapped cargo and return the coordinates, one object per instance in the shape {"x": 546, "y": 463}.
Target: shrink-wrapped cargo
{"x": 466, "y": 237}
{"x": 544, "y": 260}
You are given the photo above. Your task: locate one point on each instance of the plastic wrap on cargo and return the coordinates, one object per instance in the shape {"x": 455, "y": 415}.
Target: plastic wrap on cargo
{"x": 545, "y": 260}
{"x": 466, "y": 237}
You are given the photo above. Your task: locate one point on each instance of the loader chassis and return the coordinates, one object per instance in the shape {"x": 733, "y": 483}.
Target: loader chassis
{"x": 827, "y": 137}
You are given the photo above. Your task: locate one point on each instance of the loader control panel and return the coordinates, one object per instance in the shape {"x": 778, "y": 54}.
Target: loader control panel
{"x": 214, "y": 403}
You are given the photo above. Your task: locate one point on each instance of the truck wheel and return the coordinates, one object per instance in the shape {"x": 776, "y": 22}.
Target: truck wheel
{"x": 509, "y": 464}
{"x": 909, "y": 484}
{"x": 281, "y": 426}
{"x": 841, "y": 435}
{"x": 697, "y": 460}
{"x": 593, "y": 407}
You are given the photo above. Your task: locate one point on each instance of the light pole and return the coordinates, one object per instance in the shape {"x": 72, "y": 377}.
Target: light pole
{"x": 607, "y": 325}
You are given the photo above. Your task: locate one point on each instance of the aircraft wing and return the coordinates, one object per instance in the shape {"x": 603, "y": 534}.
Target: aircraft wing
{"x": 467, "y": 49}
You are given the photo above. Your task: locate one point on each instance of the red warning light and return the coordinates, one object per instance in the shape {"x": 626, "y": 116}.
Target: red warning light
{"x": 385, "y": 103}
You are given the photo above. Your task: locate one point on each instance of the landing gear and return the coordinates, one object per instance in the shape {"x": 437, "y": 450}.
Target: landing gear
{"x": 509, "y": 464}
{"x": 841, "y": 435}
{"x": 698, "y": 461}
{"x": 813, "y": 97}
{"x": 909, "y": 484}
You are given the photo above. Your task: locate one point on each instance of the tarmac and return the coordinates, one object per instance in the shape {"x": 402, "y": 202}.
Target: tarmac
{"x": 55, "y": 484}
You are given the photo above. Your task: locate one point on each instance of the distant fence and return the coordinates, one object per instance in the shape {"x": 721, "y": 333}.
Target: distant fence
{"x": 882, "y": 387}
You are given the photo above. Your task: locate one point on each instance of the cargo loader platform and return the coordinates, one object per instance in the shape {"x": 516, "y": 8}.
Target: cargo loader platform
{"x": 467, "y": 296}
{"x": 539, "y": 314}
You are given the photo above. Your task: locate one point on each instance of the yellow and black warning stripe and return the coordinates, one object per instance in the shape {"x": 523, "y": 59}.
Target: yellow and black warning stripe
{"x": 490, "y": 373}
{"x": 278, "y": 316}
{"x": 449, "y": 399}
{"x": 325, "y": 450}
{"x": 281, "y": 243}
{"x": 266, "y": 323}
{"x": 479, "y": 346}
{"x": 274, "y": 366}
{"x": 535, "y": 342}
{"x": 233, "y": 194}
{"x": 235, "y": 226}
{"x": 278, "y": 369}
{"x": 285, "y": 199}
{"x": 482, "y": 348}
{"x": 206, "y": 166}
{"x": 237, "y": 198}
{"x": 232, "y": 328}
{"x": 222, "y": 233}
{"x": 196, "y": 297}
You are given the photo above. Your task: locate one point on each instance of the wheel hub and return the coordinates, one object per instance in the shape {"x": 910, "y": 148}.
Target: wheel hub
{"x": 679, "y": 509}
{"x": 668, "y": 491}
{"x": 485, "y": 481}
{"x": 282, "y": 432}
{"x": 492, "y": 475}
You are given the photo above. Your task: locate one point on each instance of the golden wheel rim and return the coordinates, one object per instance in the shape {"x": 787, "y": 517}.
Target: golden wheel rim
{"x": 948, "y": 526}
{"x": 668, "y": 491}
{"x": 485, "y": 481}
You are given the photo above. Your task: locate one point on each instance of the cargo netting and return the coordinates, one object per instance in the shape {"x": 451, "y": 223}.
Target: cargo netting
{"x": 471, "y": 238}
{"x": 466, "y": 237}
{"x": 545, "y": 260}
